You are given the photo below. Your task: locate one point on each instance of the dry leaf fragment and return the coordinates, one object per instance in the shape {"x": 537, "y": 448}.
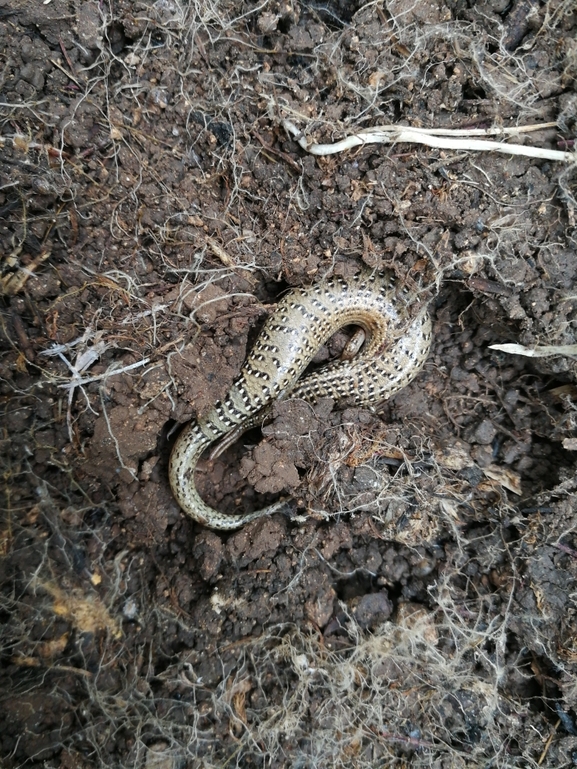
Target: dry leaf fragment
{"x": 454, "y": 457}
{"x": 11, "y": 284}
{"x": 505, "y": 477}
{"x": 86, "y": 613}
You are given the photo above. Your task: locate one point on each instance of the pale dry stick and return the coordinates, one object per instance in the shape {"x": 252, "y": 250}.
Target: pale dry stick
{"x": 227, "y": 260}
{"x": 438, "y": 138}
{"x": 75, "y": 382}
{"x": 540, "y": 351}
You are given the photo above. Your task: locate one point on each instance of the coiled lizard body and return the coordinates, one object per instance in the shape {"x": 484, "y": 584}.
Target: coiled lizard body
{"x": 393, "y": 353}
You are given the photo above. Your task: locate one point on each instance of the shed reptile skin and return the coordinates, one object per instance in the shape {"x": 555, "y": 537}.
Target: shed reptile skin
{"x": 394, "y": 352}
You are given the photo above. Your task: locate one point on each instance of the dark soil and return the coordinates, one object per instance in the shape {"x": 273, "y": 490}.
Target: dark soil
{"x": 417, "y": 604}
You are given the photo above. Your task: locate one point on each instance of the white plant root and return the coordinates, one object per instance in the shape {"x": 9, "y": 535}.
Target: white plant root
{"x": 442, "y": 138}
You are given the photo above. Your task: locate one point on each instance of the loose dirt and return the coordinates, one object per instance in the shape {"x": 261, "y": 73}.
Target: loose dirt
{"x": 415, "y": 606}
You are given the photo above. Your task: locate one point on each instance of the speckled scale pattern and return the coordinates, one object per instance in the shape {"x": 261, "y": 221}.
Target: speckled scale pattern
{"x": 394, "y": 352}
